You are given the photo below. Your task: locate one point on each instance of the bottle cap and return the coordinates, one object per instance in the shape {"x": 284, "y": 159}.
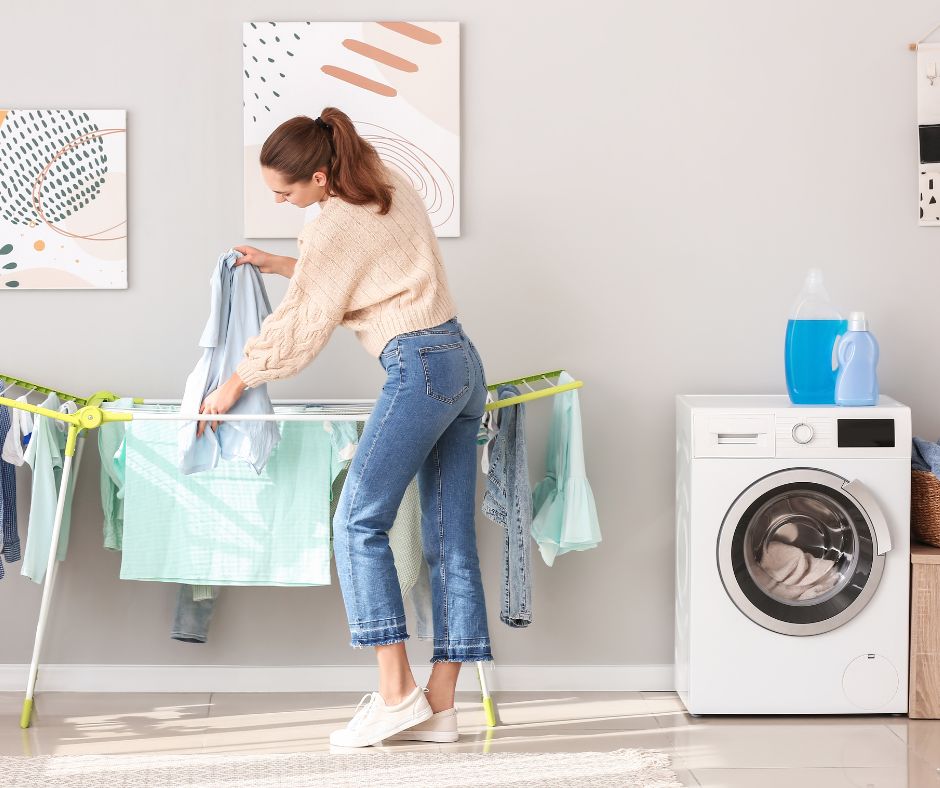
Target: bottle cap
{"x": 857, "y": 321}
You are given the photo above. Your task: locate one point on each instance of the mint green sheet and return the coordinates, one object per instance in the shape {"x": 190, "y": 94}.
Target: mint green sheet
{"x": 230, "y": 525}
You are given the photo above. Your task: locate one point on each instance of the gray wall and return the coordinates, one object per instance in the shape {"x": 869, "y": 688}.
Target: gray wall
{"x": 644, "y": 186}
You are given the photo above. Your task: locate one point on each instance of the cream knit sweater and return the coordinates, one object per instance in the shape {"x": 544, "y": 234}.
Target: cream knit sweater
{"x": 380, "y": 276}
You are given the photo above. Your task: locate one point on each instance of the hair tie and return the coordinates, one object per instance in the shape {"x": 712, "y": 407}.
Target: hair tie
{"x": 323, "y": 124}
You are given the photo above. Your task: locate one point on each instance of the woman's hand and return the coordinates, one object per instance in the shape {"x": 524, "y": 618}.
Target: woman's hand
{"x": 266, "y": 262}
{"x": 220, "y": 401}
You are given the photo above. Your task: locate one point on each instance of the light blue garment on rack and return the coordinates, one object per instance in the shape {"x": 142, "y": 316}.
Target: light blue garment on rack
{"x": 110, "y": 448}
{"x": 565, "y": 516}
{"x": 239, "y": 304}
{"x": 230, "y": 526}
{"x": 45, "y": 455}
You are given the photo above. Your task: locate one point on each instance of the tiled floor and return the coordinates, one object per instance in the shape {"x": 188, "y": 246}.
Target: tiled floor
{"x": 809, "y": 752}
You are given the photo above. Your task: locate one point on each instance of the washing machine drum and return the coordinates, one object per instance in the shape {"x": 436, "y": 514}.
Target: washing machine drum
{"x": 798, "y": 551}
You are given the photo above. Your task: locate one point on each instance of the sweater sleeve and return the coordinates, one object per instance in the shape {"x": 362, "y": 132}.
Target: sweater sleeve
{"x": 293, "y": 334}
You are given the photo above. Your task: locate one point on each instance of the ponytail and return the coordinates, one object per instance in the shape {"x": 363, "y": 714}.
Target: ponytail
{"x": 299, "y": 147}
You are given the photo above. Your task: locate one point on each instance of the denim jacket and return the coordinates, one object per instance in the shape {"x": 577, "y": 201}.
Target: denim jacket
{"x": 508, "y": 502}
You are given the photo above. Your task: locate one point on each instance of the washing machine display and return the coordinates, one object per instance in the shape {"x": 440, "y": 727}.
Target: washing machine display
{"x": 799, "y": 552}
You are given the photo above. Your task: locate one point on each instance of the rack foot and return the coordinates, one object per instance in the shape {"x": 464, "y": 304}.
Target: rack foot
{"x": 490, "y": 709}
{"x": 27, "y": 714}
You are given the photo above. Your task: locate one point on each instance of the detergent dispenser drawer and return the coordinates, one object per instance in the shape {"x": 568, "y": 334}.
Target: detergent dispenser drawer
{"x": 732, "y": 435}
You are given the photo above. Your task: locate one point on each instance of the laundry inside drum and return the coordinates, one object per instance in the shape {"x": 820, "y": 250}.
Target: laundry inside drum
{"x": 801, "y": 547}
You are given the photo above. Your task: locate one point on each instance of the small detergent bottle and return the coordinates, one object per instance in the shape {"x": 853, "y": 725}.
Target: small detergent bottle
{"x": 809, "y": 356}
{"x": 857, "y": 380}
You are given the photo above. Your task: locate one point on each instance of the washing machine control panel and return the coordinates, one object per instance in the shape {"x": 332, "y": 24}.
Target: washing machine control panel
{"x": 800, "y": 432}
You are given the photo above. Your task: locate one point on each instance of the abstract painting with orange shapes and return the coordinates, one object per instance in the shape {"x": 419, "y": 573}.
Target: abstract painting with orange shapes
{"x": 398, "y": 81}
{"x": 63, "y": 199}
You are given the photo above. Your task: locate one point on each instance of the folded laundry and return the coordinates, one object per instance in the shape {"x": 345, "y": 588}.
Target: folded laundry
{"x": 795, "y": 574}
{"x": 925, "y": 456}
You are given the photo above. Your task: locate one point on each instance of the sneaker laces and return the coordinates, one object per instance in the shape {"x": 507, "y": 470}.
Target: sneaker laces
{"x": 363, "y": 710}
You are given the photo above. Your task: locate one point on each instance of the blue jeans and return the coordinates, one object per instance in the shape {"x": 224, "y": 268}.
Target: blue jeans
{"x": 192, "y": 617}
{"x": 508, "y": 502}
{"x": 425, "y": 423}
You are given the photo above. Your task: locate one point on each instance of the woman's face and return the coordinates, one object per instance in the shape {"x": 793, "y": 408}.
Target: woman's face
{"x": 302, "y": 193}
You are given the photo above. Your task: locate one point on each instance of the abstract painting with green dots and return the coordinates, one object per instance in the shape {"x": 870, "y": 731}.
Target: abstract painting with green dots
{"x": 63, "y": 199}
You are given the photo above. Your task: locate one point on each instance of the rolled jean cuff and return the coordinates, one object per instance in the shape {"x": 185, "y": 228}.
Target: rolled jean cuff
{"x": 462, "y": 651}
{"x": 378, "y": 633}
{"x": 186, "y": 637}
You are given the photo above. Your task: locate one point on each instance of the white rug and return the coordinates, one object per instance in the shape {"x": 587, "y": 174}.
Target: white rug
{"x": 621, "y": 768}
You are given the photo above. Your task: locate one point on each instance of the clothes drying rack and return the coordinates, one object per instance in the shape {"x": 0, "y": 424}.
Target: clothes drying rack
{"x": 90, "y": 415}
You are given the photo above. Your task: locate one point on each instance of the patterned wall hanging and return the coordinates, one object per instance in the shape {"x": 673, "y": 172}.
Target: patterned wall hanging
{"x": 398, "y": 81}
{"x": 63, "y": 199}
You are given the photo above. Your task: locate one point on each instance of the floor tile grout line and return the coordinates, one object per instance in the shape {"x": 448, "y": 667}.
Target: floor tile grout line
{"x": 905, "y": 743}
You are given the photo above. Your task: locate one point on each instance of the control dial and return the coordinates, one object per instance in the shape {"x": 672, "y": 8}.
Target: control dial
{"x": 803, "y": 433}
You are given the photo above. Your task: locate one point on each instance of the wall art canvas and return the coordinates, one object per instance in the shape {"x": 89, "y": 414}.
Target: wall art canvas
{"x": 63, "y": 199}
{"x": 928, "y": 129}
{"x": 398, "y": 81}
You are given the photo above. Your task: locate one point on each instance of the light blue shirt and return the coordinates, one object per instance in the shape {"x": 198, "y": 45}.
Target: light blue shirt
{"x": 565, "y": 515}
{"x": 45, "y": 454}
{"x": 239, "y": 304}
{"x": 111, "y": 447}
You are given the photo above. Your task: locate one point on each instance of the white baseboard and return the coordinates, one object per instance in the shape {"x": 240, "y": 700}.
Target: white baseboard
{"x": 325, "y": 678}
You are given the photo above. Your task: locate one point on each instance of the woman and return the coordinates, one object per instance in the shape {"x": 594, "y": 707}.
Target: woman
{"x": 370, "y": 261}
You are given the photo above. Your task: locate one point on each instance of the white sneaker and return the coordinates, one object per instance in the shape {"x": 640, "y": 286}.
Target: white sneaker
{"x": 440, "y": 727}
{"x": 374, "y": 721}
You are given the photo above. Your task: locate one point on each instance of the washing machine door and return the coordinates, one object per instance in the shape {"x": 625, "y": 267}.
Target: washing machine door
{"x": 801, "y": 551}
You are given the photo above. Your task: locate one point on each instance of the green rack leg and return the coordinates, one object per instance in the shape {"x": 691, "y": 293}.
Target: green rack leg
{"x": 50, "y": 576}
{"x": 490, "y": 709}
{"x": 27, "y": 715}
{"x": 489, "y": 706}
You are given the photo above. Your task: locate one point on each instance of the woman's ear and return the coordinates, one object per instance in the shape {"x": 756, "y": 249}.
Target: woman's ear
{"x": 319, "y": 178}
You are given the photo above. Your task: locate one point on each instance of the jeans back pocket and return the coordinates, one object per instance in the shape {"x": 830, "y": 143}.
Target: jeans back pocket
{"x": 446, "y": 371}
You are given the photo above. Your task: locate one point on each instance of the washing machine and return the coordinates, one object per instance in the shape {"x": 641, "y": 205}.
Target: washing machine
{"x": 792, "y": 556}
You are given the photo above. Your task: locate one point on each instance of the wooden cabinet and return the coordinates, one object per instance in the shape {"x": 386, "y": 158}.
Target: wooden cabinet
{"x": 925, "y": 633}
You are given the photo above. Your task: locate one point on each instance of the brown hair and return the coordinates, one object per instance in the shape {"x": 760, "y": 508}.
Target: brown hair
{"x": 354, "y": 172}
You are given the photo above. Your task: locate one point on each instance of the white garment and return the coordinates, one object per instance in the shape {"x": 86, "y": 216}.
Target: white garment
{"x": 69, "y": 407}
{"x": 489, "y": 429}
{"x": 21, "y": 424}
{"x": 404, "y": 538}
{"x": 796, "y": 574}
{"x": 238, "y": 306}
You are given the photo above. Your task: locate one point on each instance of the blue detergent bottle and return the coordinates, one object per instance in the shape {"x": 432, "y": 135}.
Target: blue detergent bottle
{"x": 857, "y": 380}
{"x": 809, "y": 354}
